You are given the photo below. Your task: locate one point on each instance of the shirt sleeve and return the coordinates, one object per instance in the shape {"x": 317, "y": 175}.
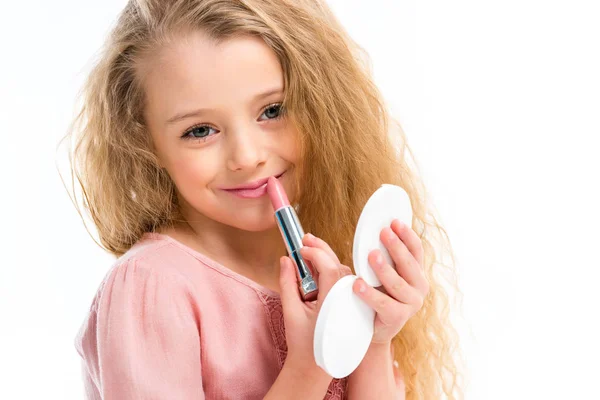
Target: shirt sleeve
{"x": 148, "y": 336}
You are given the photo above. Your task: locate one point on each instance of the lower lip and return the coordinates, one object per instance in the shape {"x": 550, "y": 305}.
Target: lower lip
{"x": 251, "y": 193}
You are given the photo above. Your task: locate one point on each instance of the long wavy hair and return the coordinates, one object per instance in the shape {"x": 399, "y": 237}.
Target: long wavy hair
{"x": 346, "y": 135}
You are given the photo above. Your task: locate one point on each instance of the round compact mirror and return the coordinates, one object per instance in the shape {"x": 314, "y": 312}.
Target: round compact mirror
{"x": 344, "y": 326}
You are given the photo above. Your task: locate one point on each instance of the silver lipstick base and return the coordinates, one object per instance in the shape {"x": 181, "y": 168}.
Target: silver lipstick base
{"x": 308, "y": 289}
{"x": 306, "y": 282}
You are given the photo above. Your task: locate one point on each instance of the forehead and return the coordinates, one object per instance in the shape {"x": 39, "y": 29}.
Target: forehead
{"x": 195, "y": 70}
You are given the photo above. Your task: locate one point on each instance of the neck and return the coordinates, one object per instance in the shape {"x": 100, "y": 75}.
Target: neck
{"x": 252, "y": 254}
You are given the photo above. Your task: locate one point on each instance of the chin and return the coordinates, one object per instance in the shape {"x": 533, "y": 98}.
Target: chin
{"x": 251, "y": 221}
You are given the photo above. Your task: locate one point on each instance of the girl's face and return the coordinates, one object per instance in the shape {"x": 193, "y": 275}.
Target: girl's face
{"x": 214, "y": 116}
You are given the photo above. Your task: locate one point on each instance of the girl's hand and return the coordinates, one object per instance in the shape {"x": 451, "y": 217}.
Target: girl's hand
{"x": 301, "y": 317}
{"x": 404, "y": 284}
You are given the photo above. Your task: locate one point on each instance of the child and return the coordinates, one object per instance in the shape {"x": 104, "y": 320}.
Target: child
{"x": 190, "y": 100}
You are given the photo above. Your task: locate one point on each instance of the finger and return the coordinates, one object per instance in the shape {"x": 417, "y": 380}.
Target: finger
{"x": 288, "y": 283}
{"x": 313, "y": 241}
{"x": 345, "y": 270}
{"x": 390, "y": 312}
{"x": 410, "y": 239}
{"x": 404, "y": 262}
{"x": 393, "y": 283}
{"x": 328, "y": 270}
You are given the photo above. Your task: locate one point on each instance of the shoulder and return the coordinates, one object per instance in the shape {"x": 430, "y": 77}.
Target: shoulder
{"x": 154, "y": 254}
{"x": 151, "y": 265}
{"x": 140, "y": 289}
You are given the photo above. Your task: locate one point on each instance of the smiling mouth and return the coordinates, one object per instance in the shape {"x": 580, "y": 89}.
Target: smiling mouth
{"x": 264, "y": 185}
{"x": 255, "y": 193}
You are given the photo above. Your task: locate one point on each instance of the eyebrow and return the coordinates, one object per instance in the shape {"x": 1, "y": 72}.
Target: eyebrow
{"x": 194, "y": 113}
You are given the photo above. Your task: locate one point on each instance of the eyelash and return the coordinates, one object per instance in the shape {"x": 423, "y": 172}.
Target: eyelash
{"x": 204, "y": 138}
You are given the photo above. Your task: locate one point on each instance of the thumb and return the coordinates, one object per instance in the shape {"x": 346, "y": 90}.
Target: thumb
{"x": 288, "y": 283}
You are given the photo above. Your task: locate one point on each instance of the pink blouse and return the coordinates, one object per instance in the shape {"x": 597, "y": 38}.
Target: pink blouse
{"x": 167, "y": 322}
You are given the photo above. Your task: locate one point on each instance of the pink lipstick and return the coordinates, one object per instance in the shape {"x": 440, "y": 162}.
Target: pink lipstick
{"x": 251, "y": 190}
{"x": 292, "y": 234}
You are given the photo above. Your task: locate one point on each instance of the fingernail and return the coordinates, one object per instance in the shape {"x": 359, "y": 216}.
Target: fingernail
{"x": 400, "y": 224}
{"x": 310, "y": 236}
{"x": 362, "y": 287}
{"x": 391, "y": 235}
{"x": 395, "y": 364}
{"x": 379, "y": 260}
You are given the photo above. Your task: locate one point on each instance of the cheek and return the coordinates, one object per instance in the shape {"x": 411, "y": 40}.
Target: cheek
{"x": 289, "y": 147}
{"x": 192, "y": 172}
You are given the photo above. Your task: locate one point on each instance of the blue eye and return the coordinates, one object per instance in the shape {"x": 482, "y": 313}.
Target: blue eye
{"x": 201, "y": 132}
{"x": 278, "y": 110}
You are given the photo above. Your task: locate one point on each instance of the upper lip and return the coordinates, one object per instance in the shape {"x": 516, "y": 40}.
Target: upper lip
{"x": 253, "y": 185}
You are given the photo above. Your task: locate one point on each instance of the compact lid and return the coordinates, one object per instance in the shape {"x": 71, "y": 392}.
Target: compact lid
{"x": 343, "y": 331}
{"x": 389, "y": 202}
{"x": 344, "y": 327}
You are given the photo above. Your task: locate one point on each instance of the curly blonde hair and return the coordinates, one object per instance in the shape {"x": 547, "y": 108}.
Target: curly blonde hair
{"x": 329, "y": 95}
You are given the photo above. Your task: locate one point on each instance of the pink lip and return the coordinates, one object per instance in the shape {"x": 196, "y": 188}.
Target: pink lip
{"x": 252, "y": 185}
{"x": 253, "y": 193}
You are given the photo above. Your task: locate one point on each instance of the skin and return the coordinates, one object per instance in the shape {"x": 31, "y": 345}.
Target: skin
{"x": 243, "y": 142}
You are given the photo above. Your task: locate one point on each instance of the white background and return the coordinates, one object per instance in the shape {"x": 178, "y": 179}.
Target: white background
{"x": 500, "y": 101}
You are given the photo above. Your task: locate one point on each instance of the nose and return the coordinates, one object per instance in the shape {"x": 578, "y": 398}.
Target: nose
{"x": 245, "y": 150}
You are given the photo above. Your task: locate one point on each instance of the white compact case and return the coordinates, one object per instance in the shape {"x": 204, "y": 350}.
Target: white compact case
{"x": 345, "y": 322}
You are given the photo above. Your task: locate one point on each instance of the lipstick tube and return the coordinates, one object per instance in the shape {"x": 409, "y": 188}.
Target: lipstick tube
{"x": 292, "y": 234}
